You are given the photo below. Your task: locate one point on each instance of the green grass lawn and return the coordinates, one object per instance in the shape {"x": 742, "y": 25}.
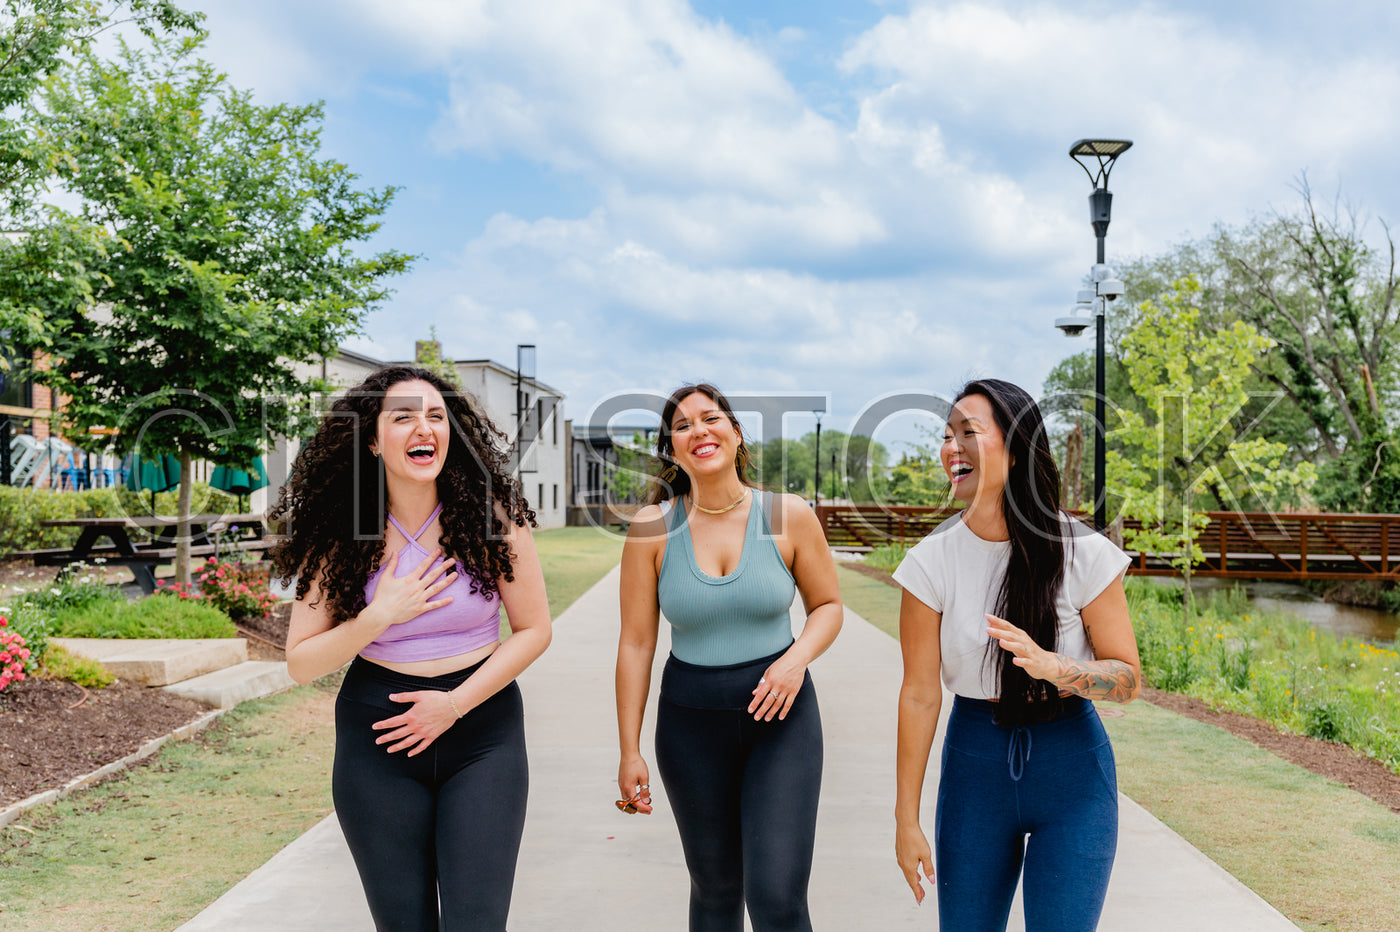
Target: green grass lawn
{"x": 151, "y": 848}
{"x": 1323, "y": 855}
{"x": 574, "y": 558}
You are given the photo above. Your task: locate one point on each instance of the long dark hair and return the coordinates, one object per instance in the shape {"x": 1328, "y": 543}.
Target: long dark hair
{"x": 1030, "y": 503}
{"x": 672, "y": 481}
{"x": 335, "y": 505}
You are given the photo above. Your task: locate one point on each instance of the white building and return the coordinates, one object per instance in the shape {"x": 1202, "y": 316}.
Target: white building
{"x": 535, "y": 422}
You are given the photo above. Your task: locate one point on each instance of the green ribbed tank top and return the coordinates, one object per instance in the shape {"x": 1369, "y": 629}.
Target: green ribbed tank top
{"x": 718, "y": 620}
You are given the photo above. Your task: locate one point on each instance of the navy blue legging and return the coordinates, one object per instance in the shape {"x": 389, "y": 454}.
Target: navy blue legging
{"x": 434, "y": 837}
{"x": 1054, "y": 782}
{"x": 744, "y": 794}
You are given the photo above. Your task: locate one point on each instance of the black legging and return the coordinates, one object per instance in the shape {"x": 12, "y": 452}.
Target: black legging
{"x": 435, "y": 837}
{"x": 744, "y": 795}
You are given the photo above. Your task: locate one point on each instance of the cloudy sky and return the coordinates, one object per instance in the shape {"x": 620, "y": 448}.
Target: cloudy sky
{"x": 837, "y": 196}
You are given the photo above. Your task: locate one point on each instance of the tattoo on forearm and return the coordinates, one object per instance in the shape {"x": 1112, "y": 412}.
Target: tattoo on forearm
{"x": 1115, "y": 680}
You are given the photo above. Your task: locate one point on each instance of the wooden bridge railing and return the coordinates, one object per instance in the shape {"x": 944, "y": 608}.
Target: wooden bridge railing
{"x": 1241, "y": 545}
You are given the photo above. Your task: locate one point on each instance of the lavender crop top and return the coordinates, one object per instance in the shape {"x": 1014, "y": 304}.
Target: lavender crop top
{"x": 473, "y": 619}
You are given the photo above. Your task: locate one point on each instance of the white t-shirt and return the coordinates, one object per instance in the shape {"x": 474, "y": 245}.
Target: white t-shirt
{"x": 958, "y": 574}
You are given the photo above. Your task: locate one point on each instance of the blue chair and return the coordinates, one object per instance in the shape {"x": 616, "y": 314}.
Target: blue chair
{"x": 73, "y": 474}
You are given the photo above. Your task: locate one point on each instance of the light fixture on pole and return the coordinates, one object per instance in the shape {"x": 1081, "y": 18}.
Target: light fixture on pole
{"x": 1096, "y": 157}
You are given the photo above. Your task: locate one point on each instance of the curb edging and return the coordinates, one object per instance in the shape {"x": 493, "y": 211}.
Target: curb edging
{"x": 183, "y": 733}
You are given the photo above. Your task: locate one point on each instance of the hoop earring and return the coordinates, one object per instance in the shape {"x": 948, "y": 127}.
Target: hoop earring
{"x": 669, "y": 473}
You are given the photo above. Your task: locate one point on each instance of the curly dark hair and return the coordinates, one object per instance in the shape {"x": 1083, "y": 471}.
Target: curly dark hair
{"x": 334, "y": 508}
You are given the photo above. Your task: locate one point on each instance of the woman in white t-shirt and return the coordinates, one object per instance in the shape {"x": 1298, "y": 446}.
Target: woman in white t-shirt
{"x": 1020, "y": 609}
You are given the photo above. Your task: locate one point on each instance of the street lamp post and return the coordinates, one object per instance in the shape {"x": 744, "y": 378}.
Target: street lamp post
{"x": 817, "y": 485}
{"x": 1096, "y": 157}
{"x": 524, "y": 370}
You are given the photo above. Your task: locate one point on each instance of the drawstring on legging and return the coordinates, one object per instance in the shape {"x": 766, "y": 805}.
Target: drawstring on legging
{"x": 1018, "y": 751}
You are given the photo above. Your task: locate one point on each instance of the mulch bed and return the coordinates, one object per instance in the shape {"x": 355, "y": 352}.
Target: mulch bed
{"x": 1326, "y": 758}
{"x": 50, "y": 732}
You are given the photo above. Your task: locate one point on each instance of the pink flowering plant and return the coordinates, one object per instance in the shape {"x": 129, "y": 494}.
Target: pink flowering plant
{"x": 239, "y": 590}
{"x": 14, "y": 655}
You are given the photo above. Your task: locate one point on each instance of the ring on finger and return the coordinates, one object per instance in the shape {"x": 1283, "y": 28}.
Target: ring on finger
{"x": 774, "y": 694}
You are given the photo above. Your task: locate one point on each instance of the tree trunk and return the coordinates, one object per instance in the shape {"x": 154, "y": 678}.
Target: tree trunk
{"x": 1072, "y": 493}
{"x": 182, "y": 538}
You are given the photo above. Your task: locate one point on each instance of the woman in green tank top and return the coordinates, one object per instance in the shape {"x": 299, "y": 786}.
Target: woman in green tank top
{"x": 738, "y": 730}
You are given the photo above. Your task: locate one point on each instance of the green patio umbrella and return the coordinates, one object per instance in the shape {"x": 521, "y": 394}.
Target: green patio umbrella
{"x": 239, "y": 483}
{"x": 156, "y": 474}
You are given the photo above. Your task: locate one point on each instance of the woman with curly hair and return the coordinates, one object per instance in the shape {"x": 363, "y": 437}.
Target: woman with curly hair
{"x": 406, "y": 537}
{"x": 738, "y": 732}
{"x": 1020, "y": 609}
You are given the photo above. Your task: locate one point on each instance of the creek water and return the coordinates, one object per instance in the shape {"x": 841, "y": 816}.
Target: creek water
{"x": 1367, "y": 624}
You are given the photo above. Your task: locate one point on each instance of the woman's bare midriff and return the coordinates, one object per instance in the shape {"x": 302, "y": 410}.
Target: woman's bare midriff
{"x": 441, "y": 665}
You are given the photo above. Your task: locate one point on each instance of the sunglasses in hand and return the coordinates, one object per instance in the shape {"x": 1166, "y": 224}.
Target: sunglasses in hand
{"x": 629, "y": 806}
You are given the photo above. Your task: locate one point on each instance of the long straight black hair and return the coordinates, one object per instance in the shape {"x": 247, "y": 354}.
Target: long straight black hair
{"x": 1030, "y": 503}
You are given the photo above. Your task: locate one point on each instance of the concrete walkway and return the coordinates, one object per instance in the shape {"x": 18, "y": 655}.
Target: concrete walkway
{"x": 584, "y": 866}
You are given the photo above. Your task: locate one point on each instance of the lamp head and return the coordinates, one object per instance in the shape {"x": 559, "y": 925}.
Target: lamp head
{"x": 1096, "y": 157}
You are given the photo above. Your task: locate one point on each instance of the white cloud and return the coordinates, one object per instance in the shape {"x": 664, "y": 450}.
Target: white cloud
{"x": 926, "y": 232}
{"x": 1220, "y": 123}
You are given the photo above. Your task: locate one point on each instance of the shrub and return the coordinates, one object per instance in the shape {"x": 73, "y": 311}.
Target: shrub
{"x": 1271, "y": 665}
{"x": 80, "y": 587}
{"x": 21, "y": 510}
{"x": 886, "y": 558}
{"x": 60, "y": 664}
{"x": 153, "y": 617}
{"x": 237, "y": 589}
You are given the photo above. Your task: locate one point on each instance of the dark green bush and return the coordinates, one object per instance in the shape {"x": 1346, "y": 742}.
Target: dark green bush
{"x": 21, "y": 510}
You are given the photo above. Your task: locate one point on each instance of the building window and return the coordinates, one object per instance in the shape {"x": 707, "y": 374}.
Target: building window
{"x": 540, "y": 506}
{"x": 556, "y": 496}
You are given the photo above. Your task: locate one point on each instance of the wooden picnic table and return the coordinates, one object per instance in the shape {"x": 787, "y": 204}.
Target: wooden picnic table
{"x": 143, "y": 556}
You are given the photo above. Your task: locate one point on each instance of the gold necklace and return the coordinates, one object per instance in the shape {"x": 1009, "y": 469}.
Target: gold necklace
{"x": 727, "y": 508}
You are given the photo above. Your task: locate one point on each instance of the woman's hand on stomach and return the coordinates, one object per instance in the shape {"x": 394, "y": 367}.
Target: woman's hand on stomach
{"x": 430, "y": 713}
{"x": 777, "y": 688}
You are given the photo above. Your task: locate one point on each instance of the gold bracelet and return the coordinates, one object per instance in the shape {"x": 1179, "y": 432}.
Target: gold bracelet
{"x": 453, "y": 704}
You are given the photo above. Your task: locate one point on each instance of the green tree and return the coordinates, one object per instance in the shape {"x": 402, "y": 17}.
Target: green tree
{"x": 37, "y": 39}
{"x": 786, "y": 466}
{"x": 790, "y": 466}
{"x": 428, "y": 355}
{"x": 917, "y": 479}
{"x": 1312, "y": 282}
{"x": 224, "y": 251}
{"x": 631, "y": 478}
{"x": 1186, "y": 447}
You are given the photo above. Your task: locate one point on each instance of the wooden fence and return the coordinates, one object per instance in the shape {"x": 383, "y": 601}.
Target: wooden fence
{"x": 1237, "y": 545}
